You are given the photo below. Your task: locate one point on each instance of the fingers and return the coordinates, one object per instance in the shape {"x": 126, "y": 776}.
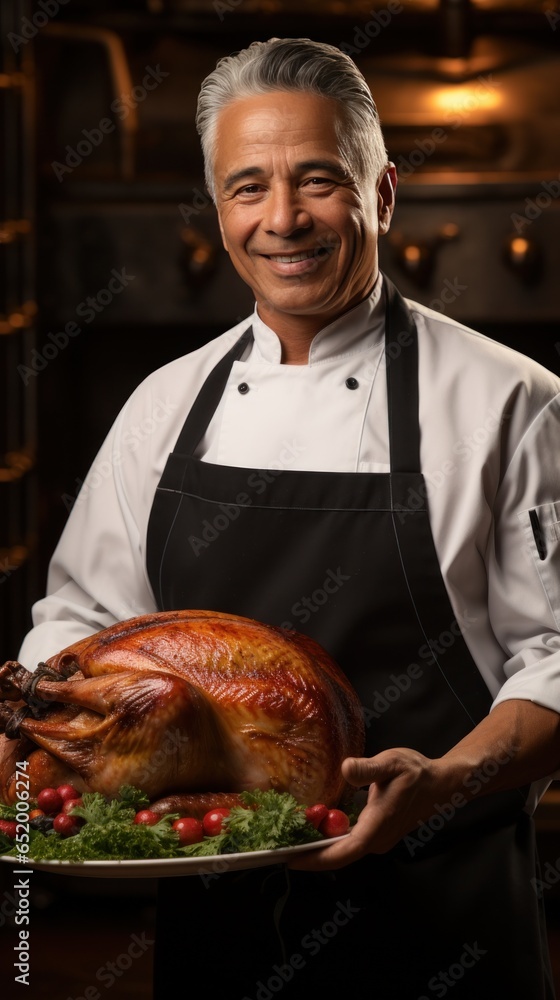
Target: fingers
{"x": 343, "y": 852}
{"x": 365, "y": 837}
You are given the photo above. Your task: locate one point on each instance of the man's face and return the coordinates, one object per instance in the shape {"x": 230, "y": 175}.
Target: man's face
{"x": 300, "y": 229}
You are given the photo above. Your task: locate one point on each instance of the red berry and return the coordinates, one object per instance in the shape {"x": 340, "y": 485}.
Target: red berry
{"x": 191, "y": 831}
{"x": 8, "y": 826}
{"x": 67, "y": 808}
{"x": 316, "y": 814}
{"x": 65, "y": 825}
{"x": 146, "y": 817}
{"x": 335, "y": 823}
{"x": 50, "y": 801}
{"x": 213, "y": 821}
{"x": 67, "y": 792}
{"x": 69, "y": 804}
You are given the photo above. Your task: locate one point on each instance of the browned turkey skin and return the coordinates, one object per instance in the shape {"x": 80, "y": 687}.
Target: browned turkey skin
{"x": 190, "y": 706}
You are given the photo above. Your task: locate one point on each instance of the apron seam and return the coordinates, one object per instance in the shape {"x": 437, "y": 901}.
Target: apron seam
{"x": 166, "y": 543}
{"x": 422, "y": 629}
{"x": 262, "y": 506}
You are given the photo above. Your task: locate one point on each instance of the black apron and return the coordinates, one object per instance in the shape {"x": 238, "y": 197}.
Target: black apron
{"x": 349, "y": 559}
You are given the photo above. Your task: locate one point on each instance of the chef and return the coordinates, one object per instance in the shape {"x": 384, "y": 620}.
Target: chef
{"x": 357, "y": 467}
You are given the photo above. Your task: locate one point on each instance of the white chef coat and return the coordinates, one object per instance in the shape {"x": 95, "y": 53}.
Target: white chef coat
{"x": 490, "y": 448}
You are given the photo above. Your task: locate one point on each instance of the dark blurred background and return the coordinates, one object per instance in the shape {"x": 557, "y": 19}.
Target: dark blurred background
{"x": 111, "y": 264}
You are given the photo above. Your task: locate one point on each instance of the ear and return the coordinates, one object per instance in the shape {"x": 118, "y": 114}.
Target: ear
{"x": 386, "y": 198}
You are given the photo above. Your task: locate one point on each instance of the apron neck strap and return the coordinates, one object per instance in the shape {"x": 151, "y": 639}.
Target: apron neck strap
{"x": 207, "y": 401}
{"x": 401, "y": 361}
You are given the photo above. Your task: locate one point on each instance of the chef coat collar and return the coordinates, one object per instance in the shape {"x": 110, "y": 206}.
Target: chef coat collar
{"x": 354, "y": 332}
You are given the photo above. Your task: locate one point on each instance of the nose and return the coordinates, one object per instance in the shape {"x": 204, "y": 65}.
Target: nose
{"x": 285, "y": 213}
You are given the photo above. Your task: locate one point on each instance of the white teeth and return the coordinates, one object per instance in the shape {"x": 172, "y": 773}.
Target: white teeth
{"x": 292, "y": 258}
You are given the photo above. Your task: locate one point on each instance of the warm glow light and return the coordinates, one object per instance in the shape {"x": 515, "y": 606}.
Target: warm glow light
{"x": 412, "y": 254}
{"x": 519, "y": 246}
{"x": 467, "y": 98}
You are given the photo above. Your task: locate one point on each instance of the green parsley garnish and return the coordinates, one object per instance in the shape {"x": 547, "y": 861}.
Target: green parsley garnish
{"x": 265, "y": 821}
{"x": 7, "y": 812}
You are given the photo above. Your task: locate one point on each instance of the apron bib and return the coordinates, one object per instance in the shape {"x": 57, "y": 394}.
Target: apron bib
{"x": 349, "y": 559}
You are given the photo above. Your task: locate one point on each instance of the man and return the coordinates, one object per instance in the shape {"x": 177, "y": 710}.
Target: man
{"x": 420, "y": 481}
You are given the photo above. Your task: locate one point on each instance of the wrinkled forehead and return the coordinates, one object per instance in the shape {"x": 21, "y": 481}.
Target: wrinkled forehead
{"x": 298, "y": 125}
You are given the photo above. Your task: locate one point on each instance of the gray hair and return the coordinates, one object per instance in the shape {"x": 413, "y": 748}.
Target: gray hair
{"x": 296, "y": 64}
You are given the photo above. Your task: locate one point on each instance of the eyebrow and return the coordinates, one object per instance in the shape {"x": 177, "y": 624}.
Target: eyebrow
{"x": 327, "y": 165}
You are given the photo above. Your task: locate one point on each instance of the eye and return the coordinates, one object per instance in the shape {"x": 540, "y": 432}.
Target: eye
{"x": 249, "y": 189}
{"x": 319, "y": 182}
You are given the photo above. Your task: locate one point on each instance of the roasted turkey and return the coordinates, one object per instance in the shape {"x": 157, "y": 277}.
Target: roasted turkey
{"x": 191, "y": 706}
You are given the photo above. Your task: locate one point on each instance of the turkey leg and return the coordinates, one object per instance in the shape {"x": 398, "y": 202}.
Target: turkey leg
{"x": 108, "y": 729}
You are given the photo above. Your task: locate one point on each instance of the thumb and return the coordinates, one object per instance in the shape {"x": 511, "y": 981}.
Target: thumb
{"x": 384, "y": 767}
{"x": 360, "y": 771}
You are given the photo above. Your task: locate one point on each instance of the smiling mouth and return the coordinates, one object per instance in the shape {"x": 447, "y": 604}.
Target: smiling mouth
{"x": 294, "y": 258}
